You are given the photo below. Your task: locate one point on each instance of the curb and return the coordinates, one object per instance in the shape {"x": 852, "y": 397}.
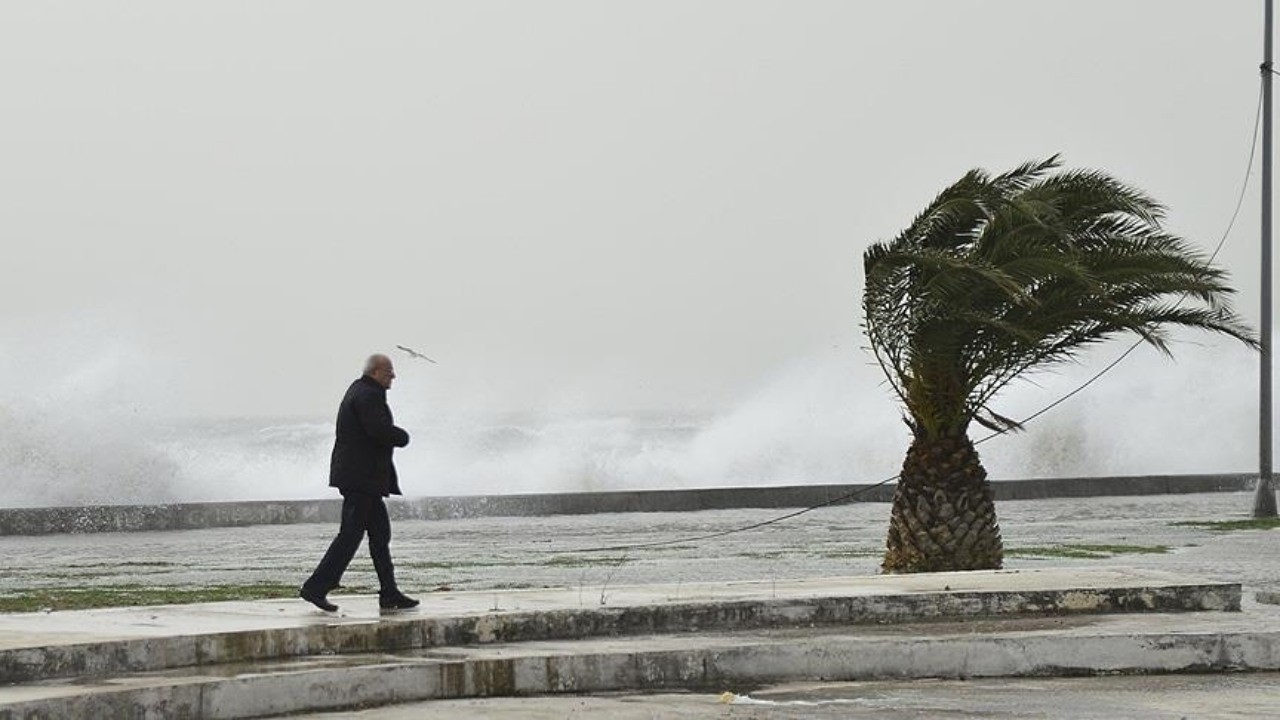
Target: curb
{"x": 28, "y": 664}
{"x": 690, "y": 662}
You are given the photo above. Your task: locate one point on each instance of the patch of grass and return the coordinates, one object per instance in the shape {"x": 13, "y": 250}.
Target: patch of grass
{"x": 1229, "y": 525}
{"x": 125, "y": 563}
{"x": 514, "y": 586}
{"x": 767, "y": 555}
{"x": 845, "y": 554}
{"x": 1086, "y": 552}
{"x": 465, "y": 564}
{"x": 445, "y": 565}
{"x": 547, "y": 561}
{"x": 1126, "y": 549}
{"x": 101, "y": 573}
{"x": 1059, "y": 552}
{"x": 574, "y": 561}
{"x": 667, "y": 548}
{"x": 133, "y": 595}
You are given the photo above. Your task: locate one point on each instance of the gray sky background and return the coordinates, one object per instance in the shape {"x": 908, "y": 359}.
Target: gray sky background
{"x": 219, "y": 208}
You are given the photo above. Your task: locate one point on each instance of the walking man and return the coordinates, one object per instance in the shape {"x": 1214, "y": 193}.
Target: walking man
{"x": 362, "y": 470}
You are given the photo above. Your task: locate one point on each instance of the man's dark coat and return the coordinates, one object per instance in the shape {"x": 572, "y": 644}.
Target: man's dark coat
{"x": 366, "y": 435}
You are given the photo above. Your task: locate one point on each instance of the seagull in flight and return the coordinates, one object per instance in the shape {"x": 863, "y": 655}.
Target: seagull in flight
{"x": 417, "y": 355}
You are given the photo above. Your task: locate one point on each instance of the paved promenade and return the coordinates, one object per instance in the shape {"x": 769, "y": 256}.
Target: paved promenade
{"x": 1097, "y": 585}
{"x": 262, "y": 658}
{"x": 537, "y": 552}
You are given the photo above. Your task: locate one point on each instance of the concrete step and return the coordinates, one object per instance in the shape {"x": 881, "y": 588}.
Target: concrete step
{"x": 40, "y": 646}
{"x": 1017, "y": 647}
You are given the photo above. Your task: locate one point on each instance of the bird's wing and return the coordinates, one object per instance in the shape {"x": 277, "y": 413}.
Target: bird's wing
{"x": 415, "y": 354}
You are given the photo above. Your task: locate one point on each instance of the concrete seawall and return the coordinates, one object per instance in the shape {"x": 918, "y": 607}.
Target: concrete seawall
{"x": 189, "y": 516}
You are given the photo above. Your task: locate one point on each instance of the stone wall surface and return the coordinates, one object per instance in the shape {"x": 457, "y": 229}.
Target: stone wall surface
{"x": 190, "y": 516}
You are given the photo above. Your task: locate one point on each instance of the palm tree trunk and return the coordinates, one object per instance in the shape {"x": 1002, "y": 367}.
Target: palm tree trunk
{"x": 944, "y": 515}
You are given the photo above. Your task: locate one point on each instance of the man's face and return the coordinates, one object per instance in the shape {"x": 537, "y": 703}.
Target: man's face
{"x": 384, "y": 373}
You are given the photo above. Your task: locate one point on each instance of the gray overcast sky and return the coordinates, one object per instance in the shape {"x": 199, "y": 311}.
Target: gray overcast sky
{"x": 638, "y": 205}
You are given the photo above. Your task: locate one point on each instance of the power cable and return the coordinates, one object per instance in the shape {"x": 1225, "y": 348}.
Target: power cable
{"x": 1244, "y": 186}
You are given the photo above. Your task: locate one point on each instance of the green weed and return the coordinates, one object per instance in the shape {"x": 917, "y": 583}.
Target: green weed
{"x": 132, "y": 595}
{"x": 1229, "y": 525}
{"x": 1086, "y": 552}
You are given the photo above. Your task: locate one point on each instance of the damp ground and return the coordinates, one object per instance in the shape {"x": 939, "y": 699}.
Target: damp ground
{"x": 1199, "y": 535}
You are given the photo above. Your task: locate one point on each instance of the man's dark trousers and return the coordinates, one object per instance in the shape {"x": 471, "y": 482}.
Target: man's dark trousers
{"x": 360, "y": 513}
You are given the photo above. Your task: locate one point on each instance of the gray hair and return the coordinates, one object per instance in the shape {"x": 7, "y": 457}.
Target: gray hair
{"x": 374, "y": 362}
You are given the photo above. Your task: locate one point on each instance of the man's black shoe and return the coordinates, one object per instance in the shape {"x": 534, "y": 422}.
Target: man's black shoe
{"x": 396, "y": 602}
{"x": 317, "y": 599}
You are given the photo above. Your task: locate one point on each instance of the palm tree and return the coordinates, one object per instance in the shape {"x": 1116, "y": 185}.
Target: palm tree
{"x": 998, "y": 276}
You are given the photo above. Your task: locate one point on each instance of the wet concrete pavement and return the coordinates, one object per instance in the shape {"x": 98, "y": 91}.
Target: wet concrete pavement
{"x": 1168, "y": 697}
{"x": 493, "y": 554}
{"x": 265, "y": 658}
{"x": 536, "y": 552}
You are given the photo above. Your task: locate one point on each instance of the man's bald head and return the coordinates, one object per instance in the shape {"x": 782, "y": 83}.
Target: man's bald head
{"x": 379, "y": 367}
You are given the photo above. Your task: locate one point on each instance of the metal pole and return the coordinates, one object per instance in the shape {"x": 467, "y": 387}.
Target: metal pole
{"x": 1264, "y": 501}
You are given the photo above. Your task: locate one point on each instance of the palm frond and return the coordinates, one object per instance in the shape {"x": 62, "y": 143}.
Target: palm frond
{"x": 1005, "y": 273}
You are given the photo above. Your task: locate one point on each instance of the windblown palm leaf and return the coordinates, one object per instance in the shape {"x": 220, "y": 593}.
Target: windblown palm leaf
{"x": 1002, "y": 274}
